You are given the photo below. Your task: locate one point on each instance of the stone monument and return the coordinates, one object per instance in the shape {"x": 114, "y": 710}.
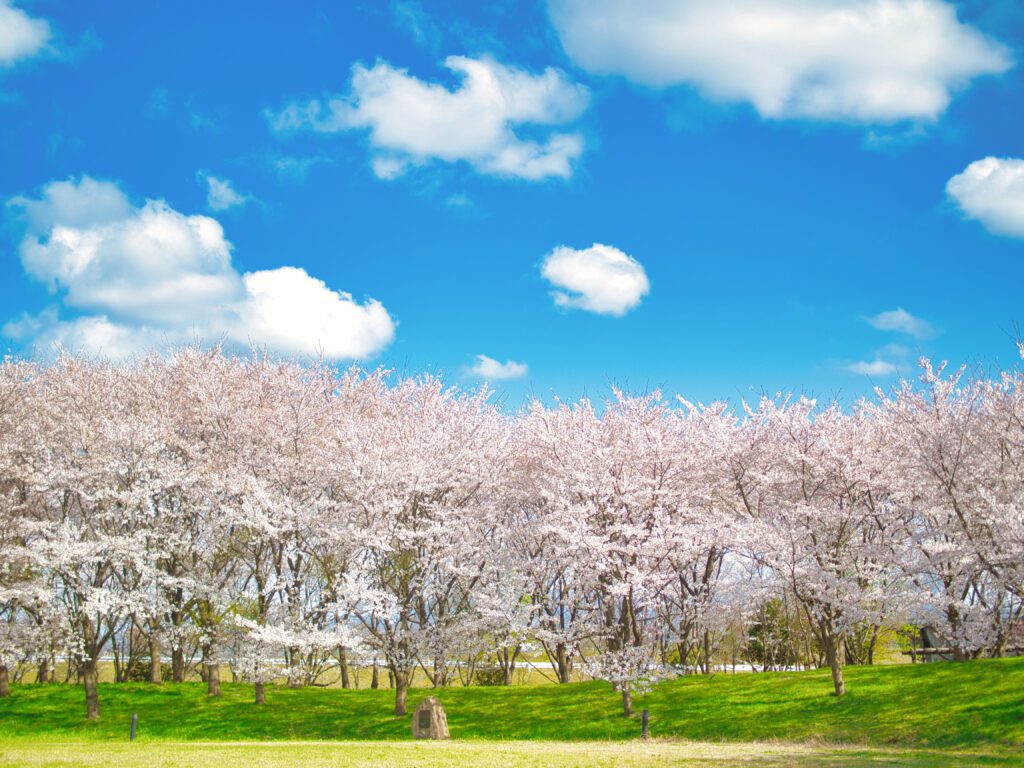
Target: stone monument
{"x": 429, "y": 720}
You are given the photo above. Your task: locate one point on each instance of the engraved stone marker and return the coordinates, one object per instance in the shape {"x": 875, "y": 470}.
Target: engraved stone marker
{"x": 429, "y": 720}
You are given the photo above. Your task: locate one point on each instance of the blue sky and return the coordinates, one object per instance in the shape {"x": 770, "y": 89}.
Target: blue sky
{"x": 774, "y": 209}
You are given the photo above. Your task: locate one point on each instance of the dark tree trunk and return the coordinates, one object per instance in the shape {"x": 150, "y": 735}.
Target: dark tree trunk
{"x": 155, "y": 673}
{"x": 834, "y": 653}
{"x": 346, "y": 683}
{"x": 211, "y": 664}
{"x": 5, "y": 681}
{"x": 402, "y": 679}
{"x": 117, "y": 663}
{"x": 507, "y": 661}
{"x": 92, "y": 696}
{"x": 627, "y": 701}
{"x": 261, "y": 693}
{"x": 43, "y": 675}
{"x": 954, "y": 618}
{"x": 294, "y": 669}
{"x": 375, "y": 677}
{"x": 178, "y": 665}
{"x": 999, "y": 648}
{"x": 563, "y": 664}
{"x": 213, "y": 679}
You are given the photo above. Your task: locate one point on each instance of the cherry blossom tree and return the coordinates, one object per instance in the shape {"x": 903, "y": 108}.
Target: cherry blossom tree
{"x": 418, "y": 467}
{"x": 300, "y": 517}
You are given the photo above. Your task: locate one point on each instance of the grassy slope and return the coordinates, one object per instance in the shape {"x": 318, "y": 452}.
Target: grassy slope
{"x": 937, "y": 705}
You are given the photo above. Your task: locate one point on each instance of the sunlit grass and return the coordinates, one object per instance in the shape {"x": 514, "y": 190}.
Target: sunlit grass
{"x": 457, "y": 754}
{"x": 936, "y": 705}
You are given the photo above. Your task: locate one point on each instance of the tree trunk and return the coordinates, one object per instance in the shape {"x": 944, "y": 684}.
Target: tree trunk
{"x": 44, "y": 672}
{"x": 155, "y": 673}
{"x": 507, "y": 661}
{"x": 562, "y": 663}
{"x": 834, "y": 652}
{"x": 402, "y": 680}
{"x": 261, "y": 694}
{"x": 999, "y": 649}
{"x": 92, "y": 696}
{"x": 346, "y": 683}
{"x": 212, "y": 666}
{"x": 117, "y": 663}
{"x": 627, "y": 701}
{"x": 955, "y": 621}
{"x": 5, "y": 681}
{"x": 294, "y": 670}
{"x": 375, "y": 677}
{"x": 213, "y": 679}
{"x": 178, "y": 665}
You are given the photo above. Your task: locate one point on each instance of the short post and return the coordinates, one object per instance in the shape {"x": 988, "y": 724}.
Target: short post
{"x": 135, "y": 722}
{"x": 645, "y": 718}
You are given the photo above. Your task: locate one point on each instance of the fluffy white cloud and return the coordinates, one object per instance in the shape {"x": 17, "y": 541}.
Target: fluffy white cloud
{"x": 21, "y": 36}
{"x": 992, "y": 191}
{"x": 287, "y": 309}
{"x": 875, "y": 367}
{"x": 489, "y": 368}
{"x": 149, "y": 276}
{"x": 901, "y": 321}
{"x": 412, "y": 122}
{"x": 867, "y": 61}
{"x": 599, "y": 279}
{"x": 220, "y": 194}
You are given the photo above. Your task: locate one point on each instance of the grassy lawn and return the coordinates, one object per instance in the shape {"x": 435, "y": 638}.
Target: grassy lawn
{"x": 459, "y": 754}
{"x": 965, "y": 706}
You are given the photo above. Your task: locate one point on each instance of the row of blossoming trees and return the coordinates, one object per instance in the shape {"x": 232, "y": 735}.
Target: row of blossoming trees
{"x": 280, "y": 516}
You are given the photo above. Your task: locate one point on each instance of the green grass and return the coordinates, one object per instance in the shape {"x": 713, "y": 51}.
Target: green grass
{"x": 948, "y": 705}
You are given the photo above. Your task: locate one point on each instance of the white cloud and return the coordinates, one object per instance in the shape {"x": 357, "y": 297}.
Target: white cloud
{"x": 876, "y": 367}
{"x": 91, "y": 334}
{"x": 992, "y": 191}
{"x": 489, "y": 368}
{"x": 599, "y": 279}
{"x": 901, "y": 321}
{"x": 21, "y": 36}
{"x": 412, "y": 122}
{"x": 863, "y": 61}
{"x": 220, "y": 194}
{"x": 148, "y": 276}
{"x": 287, "y": 309}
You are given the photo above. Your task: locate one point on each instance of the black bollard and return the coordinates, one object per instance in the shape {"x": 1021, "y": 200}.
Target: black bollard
{"x": 135, "y": 720}
{"x": 644, "y": 721}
